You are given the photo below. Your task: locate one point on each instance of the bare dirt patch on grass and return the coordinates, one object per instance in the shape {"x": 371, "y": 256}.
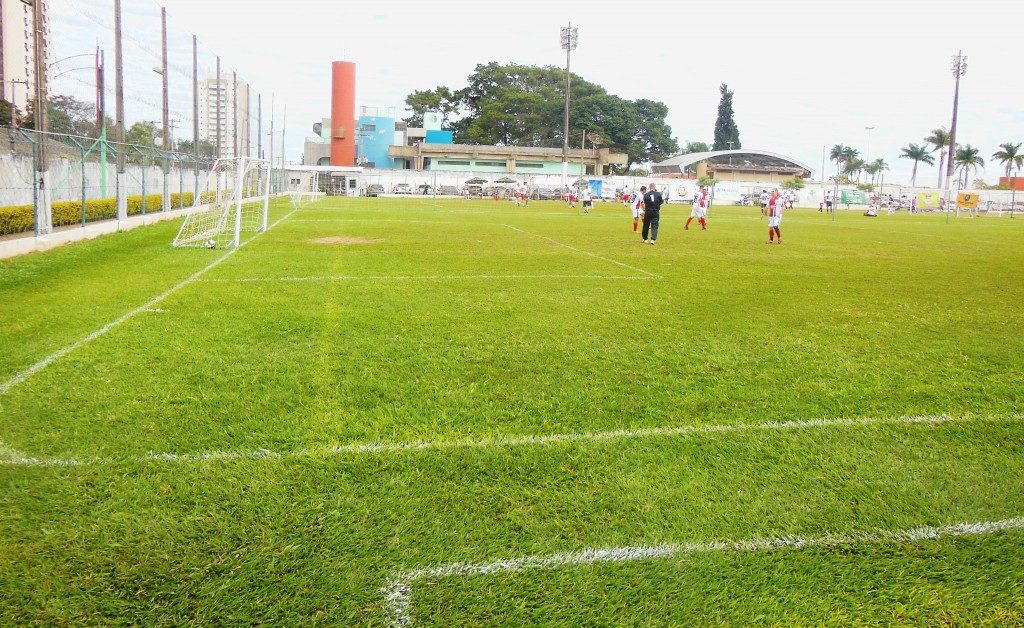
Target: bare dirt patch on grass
{"x": 345, "y": 240}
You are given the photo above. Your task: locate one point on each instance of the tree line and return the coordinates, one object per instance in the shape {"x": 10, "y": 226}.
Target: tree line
{"x": 966, "y": 158}
{"x": 69, "y": 116}
{"x": 521, "y": 105}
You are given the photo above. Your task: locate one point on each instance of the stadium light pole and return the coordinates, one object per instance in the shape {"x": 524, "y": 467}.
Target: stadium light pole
{"x": 959, "y": 68}
{"x": 569, "y": 40}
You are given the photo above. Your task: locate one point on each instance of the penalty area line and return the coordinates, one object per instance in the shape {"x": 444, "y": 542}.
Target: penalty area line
{"x": 145, "y": 307}
{"x": 397, "y": 590}
{"x": 508, "y": 442}
{"x": 431, "y": 278}
{"x": 594, "y": 255}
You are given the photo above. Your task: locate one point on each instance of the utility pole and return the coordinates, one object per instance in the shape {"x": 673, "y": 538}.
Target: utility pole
{"x": 44, "y": 217}
{"x": 248, "y": 121}
{"x": 234, "y": 113}
{"x": 959, "y": 68}
{"x": 195, "y": 116}
{"x": 569, "y": 41}
{"x": 284, "y": 129}
{"x": 259, "y": 126}
{"x": 165, "y": 201}
{"x": 220, "y": 92}
{"x": 122, "y": 198}
{"x": 101, "y": 117}
{"x": 270, "y": 166}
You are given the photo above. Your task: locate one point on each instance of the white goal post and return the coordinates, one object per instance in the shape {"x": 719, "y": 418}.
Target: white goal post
{"x": 237, "y": 199}
{"x": 303, "y": 186}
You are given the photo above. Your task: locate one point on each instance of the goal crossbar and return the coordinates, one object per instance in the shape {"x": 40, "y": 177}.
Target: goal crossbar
{"x": 236, "y": 199}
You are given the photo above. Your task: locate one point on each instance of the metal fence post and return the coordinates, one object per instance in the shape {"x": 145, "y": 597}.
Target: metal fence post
{"x": 35, "y": 189}
{"x": 83, "y": 186}
{"x": 142, "y": 154}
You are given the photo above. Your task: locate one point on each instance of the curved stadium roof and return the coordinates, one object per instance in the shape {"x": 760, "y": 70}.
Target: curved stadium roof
{"x": 738, "y": 159}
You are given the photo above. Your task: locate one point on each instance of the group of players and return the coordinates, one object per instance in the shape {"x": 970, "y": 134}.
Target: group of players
{"x": 646, "y": 203}
{"x": 646, "y": 206}
{"x": 521, "y": 193}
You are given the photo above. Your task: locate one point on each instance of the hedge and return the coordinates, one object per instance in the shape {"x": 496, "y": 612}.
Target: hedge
{"x": 19, "y": 218}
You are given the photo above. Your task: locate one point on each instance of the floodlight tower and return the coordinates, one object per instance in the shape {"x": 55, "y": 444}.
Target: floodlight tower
{"x": 959, "y": 68}
{"x": 569, "y": 38}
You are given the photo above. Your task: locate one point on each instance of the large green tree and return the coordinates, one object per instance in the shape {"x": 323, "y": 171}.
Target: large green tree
{"x": 64, "y": 114}
{"x": 7, "y": 111}
{"x": 206, "y": 148}
{"x": 695, "y": 147}
{"x": 522, "y": 105}
{"x": 727, "y": 135}
{"x": 441, "y": 99}
{"x": 142, "y": 134}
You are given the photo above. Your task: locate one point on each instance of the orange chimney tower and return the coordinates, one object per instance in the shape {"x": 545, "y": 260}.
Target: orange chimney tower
{"x": 343, "y": 114}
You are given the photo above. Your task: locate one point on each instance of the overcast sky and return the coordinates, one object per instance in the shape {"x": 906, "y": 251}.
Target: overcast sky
{"x": 805, "y": 73}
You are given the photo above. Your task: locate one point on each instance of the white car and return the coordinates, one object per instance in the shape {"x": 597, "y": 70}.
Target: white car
{"x": 402, "y": 188}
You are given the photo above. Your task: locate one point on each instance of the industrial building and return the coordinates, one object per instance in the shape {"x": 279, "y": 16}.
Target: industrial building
{"x": 378, "y": 139}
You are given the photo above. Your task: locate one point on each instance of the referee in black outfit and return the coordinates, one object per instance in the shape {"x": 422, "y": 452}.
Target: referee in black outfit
{"x": 652, "y": 213}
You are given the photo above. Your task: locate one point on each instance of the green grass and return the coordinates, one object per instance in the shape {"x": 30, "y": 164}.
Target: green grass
{"x": 448, "y": 324}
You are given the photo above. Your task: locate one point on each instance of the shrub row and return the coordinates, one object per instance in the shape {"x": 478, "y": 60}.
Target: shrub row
{"x": 19, "y": 218}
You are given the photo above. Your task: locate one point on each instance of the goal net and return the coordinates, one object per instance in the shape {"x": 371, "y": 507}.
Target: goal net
{"x": 303, "y": 187}
{"x": 237, "y": 200}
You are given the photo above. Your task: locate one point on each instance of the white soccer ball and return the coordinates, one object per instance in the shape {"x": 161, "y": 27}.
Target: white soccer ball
{"x": 211, "y": 244}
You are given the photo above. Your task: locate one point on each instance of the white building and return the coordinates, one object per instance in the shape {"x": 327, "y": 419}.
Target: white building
{"x": 17, "y": 51}
{"x": 217, "y": 98}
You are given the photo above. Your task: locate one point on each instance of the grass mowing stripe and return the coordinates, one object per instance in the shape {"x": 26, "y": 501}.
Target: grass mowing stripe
{"x": 147, "y": 306}
{"x": 595, "y": 255}
{"x": 22, "y": 460}
{"x": 398, "y": 590}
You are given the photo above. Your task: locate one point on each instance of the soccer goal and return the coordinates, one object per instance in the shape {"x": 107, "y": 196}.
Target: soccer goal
{"x": 303, "y": 187}
{"x": 237, "y": 199}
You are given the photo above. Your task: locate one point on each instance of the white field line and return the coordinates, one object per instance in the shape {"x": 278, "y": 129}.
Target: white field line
{"x": 145, "y": 307}
{"x": 9, "y": 456}
{"x": 544, "y": 440}
{"x": 373, "y": 220}
{"x": 594, "y": 255}
{"x": 398, "y": 589}
{"x": 430, "y": 278}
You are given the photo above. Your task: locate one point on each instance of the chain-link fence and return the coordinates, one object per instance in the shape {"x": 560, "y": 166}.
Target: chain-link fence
{"x": 82, "y": 176}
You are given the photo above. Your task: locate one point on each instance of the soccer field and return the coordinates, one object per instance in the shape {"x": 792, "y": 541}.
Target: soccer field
{"x": 420, "y": 412}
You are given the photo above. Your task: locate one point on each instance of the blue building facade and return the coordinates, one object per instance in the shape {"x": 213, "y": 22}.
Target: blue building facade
{"x": 376, "y": 134}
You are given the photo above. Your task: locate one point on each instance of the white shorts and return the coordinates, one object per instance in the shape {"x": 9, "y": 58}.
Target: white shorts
{"x": 637, "y": 212}
{"x": 698, "y": 212}
{"x": 775, "y": 221}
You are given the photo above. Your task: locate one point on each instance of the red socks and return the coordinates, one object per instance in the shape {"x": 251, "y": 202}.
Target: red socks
{"x": 688, "y": 221}
{"x": 703, "y": 223}
{"x": 634, "y": 226}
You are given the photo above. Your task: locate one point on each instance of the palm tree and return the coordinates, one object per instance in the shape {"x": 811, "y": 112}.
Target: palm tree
{"x": 968, "y": 158}
{"x": 877, "y": 166}
{"x": 917, "y": 153}
{"x": 939, "y": 139}
{"x": 871, "y": 169}
{"x": 853, "y": 167}
{"x": 1010, "y": 156}
{"x": 840, "y": 154}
